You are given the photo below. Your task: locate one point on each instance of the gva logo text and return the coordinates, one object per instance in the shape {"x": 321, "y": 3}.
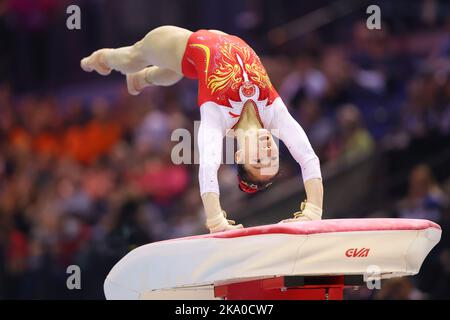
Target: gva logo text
{"x": 357, "y": 253}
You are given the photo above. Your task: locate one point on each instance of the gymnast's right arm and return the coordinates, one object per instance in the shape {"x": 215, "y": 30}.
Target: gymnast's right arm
{"x": 210, "y": 141}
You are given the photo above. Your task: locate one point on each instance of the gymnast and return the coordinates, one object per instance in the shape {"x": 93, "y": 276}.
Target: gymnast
{"x": 235, "y": 97}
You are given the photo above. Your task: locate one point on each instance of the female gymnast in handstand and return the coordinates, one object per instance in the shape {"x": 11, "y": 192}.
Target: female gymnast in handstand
{"x": 234, "y": 92}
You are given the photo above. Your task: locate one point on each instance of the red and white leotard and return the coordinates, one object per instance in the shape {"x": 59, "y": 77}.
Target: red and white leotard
{"x": 229, "y": 74}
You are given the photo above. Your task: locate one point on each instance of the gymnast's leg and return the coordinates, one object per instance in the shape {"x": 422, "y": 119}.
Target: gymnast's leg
{"x": 151, "y": 76}
{"x": 163, "y": 47}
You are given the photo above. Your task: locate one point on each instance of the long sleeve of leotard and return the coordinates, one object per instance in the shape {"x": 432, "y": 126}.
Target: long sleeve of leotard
{"x": 210, "y": 141}
{"x": 288, "y": 130}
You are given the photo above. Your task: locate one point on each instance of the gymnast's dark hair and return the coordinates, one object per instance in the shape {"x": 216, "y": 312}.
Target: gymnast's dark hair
{"x": 249, "y": 184}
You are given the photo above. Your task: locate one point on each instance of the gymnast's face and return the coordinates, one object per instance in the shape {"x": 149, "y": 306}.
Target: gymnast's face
{"x": 259, "y": 154}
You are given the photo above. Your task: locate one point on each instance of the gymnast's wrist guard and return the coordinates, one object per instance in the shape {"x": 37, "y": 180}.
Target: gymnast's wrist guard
{"x": 310, "y": 211}
{"x": 218, "y": 223}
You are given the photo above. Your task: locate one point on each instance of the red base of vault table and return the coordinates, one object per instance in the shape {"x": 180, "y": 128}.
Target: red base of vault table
{"x": 288, "y": 288}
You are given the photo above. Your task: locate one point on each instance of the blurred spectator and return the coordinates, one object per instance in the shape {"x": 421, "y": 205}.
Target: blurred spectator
{"x": 352, "y": 140}
{"x": 425, "y": 200}
{"x": 305, "y": 81}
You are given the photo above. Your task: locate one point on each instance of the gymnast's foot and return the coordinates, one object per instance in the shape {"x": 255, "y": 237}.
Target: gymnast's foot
{"x": 221, "y": 223}
{"x": 96, "y": 62}
{"x": 308, "y": 212}
{"x": 136, "y": 82}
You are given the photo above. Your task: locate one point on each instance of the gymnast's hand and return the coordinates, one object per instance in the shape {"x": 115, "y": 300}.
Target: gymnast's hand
{"x": 96, "y": 62}
{"x": 221, "y": 223}
{"x": 308, "y": 212}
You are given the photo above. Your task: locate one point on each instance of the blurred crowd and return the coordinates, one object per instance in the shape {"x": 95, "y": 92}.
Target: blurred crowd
{"x": 85, "y": 179}
{"x": 77, "y": 177}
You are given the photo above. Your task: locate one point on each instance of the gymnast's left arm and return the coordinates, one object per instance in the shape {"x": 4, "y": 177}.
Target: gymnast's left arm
{"x": 286, "y": 128}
